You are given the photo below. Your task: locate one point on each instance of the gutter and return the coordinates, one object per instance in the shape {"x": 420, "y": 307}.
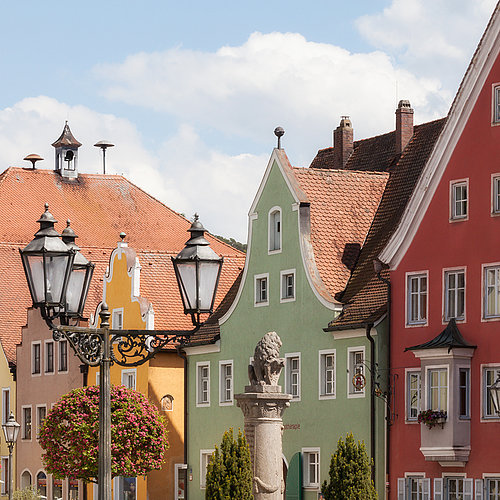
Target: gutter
{"x": 368, "y": 327}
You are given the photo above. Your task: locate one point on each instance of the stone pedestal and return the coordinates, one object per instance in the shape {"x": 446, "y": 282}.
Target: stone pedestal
{"x": 263, "y": 408}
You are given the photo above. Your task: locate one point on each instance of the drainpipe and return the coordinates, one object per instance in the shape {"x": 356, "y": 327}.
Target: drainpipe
{"x": 182, "y": 354}
{"x": 84, "y": 370}
{"x": 368, "y": 327}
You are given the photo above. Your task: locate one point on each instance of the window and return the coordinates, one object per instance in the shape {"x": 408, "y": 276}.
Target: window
{"x": 49, "y": 357}
{"x": 26, "y": 434}
{"x": 63, "y": 355}
{"x": 5, "y": 405}
{"x": 287, "y": 285}
{"x": 41, "y": 413}
{"x": 25, "y": 479}
{"x": 496, "y": 104}
{"x": 226, "y": 382}
{"x": 205, "y": 458}
{"x": 292, "y": 375}
{"x": 412, "y": 395}
{"x": 413, "y": 488}
{"x": 35, "y": 358}
{"x": 492, "y": 488}
{"x": 275, "y": 229}
{"x": 454, "y": 284}
{"x": 180, "y": 481}
{"x": 492, "y": 292}
{"x": 261, "y": 289}
{"x": 41, "y": 483}
{"x": 203, "y": 384}
{"x": 490, "y": 375}
{"x": 311, "y": 467}
{"x": 459, "y": 200}
{"x": 129, "y": 378}
{"x": 458, "y": 488}
{"x": 464, "y": 393}
{"x": 73, "y": 489}
{"x": 356, "y": 377}
{"x": 125, "y": 488}
{"x": 438, "y": 389}
{"x": 5, "y": 476}
{"x": 327, "y": 374}
{"x": 117, "y": 320}
{"x": 416, "y": 299}
{"x": 57, "y": 488}
{"x": 495, "y": 194}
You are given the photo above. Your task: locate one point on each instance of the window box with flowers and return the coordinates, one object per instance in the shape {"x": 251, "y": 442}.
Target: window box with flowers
{"x": 432, "y": 418}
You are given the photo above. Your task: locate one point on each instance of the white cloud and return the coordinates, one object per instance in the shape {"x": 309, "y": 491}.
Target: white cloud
{"x": 274, "y": 79}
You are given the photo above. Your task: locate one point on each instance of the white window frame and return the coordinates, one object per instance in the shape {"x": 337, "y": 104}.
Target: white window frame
{"x": 40, "y": 367}
{"x": 468, "y": 483}
{"x": 46, "y": 357}
{"x": 23, "y": 423}
{"x": 38, "y": 423}
{"x": 5, "y": 411}
{"x": 486, "y": 316}
{"x": 483, "y": 484}
{"x": 117, "y": 488}
{"x": 257, "y": 280}
{"x": 284, "y": 286}
{"x": 59, "y": 354}
{"x": 495, "y": 194}
{"x": 467, "y": 370}
{"x": 404, "y": 491}
{"x": 270, "y": 229}
{"x": 322, "y": 382}
{"x": 5, "y": 475}
{"x": 124, "y": 377}
{"x": 199, "y": 366}
{"x": 223, "y": 401}
{"x": 495, "y": 104}
{"x": 179, "y": 467}
{"x": 454, "y": 213}
{"x": 288, "y": 380}
{"x": 117, "y": 318}
{"x": 306, "y": 478}
{"x": 351, "y": 390}
{"x": 420, "y": 321}
{"x": 204, "y": 454}
{"x": 428, "y": 370}
{"x": 408, "y": 373}
{"x": 447, "y": 272}
{"x": 484, "y": 391}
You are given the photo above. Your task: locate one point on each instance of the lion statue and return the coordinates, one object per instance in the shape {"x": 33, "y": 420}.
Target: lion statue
{"x": 267, "y": 365}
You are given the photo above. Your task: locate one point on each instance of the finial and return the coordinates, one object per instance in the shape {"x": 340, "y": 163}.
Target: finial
{"x": 68, "y": 223}
{"x": 46, "y": 207}
{"x": 278, "y": 132}
{"x": 196, "y": 217}
{"x": 123, "y": 235}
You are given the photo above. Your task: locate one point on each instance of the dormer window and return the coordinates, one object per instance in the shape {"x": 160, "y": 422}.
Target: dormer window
{"x": 275, "y": 230}
{"x": 496, "y": 104}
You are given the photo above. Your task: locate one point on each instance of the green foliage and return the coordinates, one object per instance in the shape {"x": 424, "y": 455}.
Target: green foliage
{"x": 27, "y": 493}
{"x": 350, "y": 473}
{"x": 229, "y": 473}
{"x": 234, "y": 243}
{"x": 69, "y": 435}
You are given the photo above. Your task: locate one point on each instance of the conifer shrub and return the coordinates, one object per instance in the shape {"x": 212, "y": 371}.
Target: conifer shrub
{"x": 350, "y": 473}
{"x": 229, "y": 473}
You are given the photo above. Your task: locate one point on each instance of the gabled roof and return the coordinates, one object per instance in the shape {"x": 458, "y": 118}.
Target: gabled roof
{"x": 100, "y": 207}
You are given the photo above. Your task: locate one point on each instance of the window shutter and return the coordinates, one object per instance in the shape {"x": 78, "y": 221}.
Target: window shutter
{"x": 426, "y": 489}
{"x": 479, "y": 489}
{"x": 294, "y": 478}
{"x": 468, "y": 485}
{"x": 438, "y": 489}
{"x": 401, "y": 488}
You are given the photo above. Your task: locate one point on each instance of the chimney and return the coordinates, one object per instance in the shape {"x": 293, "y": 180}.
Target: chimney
{"x": 342, "y": 143}
{"x": 404, "y": 125}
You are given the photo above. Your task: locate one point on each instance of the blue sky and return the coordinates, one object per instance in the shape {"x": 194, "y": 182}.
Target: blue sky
{"x": 190, "y": 92}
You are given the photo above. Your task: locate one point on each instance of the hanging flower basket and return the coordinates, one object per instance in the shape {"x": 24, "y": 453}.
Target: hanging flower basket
{"x": 432, "y": 417}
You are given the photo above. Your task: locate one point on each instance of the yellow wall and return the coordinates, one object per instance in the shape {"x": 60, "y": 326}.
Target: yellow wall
{"x": 7, "y": 382}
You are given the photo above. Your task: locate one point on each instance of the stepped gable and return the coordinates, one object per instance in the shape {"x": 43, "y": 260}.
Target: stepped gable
{"x": 100, "y": 207}
{"x": 404, "y": 175}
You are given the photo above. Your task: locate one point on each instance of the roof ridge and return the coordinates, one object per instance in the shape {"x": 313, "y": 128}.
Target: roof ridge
{"x": 343, "y": 171}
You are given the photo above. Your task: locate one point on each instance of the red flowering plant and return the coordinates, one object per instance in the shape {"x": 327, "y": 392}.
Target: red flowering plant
{"x": 431, "y": 417}
{"x": 69, "y": 435}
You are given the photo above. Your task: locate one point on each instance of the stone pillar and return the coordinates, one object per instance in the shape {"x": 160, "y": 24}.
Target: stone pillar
{"x": 263, "y": 405}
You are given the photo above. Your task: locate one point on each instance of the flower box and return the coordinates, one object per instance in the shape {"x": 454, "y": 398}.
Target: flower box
{"x": 432, "y": 418}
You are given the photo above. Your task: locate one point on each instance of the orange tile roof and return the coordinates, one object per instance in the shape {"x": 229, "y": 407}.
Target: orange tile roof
{"x": 100, "y": 207}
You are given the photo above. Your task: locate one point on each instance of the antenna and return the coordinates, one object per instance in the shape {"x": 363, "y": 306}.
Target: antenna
{"x": 103, "y": 145}
{"x": 279, "y": 132}
{"x": 33, "y": 158}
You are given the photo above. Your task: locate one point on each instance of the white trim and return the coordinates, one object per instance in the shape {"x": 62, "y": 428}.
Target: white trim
{"x": 321, "y": 355}
{"x": 37, "y": 423}
{"x": 408, "y": 420}
{"x": 444, "y": 295}
{"x": 129, "y": 371}
{"x": 201, "y": 364}
{"x": 179, "y": 467}
{"x": 282, "y": 275}
{"x": 461, "y": 109}
{"x": 483, "y": 390}
{"x": 452, "y": 216}
{"x": 222, "y": 401}
{"x": 350, "y": 393}
{"x": 4, "y": 491}
{"x": 305, "y": 468}
{"x": 21, "y": 478}
{"x": 115, "y": 313}
{"x": 495, "y": 176}
{"x": 289, "y": 356}
{"x": 495, "y": 92}
{"x": 416, "y": 274}
{"x": 203, "y": 474}
{"x": 39, "y": 374}
{"x": 5, "y": 414}
{"x": 203, "y": 349}
{"x": 257, "y": 278}
{"x": 427, "y": 385}
{"x": 415, "y": 474}
{"x": 484, "y": 267}
{"x": 23, "y": 423}
{"x": 59, "y": 356}
{"x": 272, "y": 211}
{"x": 351, "y": 334}
{"x": 45, "y": 357}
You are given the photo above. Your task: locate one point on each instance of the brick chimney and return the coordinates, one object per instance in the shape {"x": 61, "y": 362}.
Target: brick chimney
{"x": 404, "y": 125}
{"x": 343, "y": 144}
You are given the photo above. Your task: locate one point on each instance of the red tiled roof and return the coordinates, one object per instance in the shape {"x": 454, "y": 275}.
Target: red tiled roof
{"x": 100, "y": 207}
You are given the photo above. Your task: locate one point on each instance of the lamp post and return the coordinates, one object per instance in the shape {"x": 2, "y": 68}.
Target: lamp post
{"x": 10, "y": 431}
{"x": 494, "y": 390}
{"x": 58, "y": 280}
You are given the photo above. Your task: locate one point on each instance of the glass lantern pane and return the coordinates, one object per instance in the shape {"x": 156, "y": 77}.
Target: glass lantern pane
{"x": 35, "y": 263}
{"x": 208, "y": 279}
{"x": 187, "y": 272}
{"x": 56, "y": 270}
{"x": 74, "y": 290}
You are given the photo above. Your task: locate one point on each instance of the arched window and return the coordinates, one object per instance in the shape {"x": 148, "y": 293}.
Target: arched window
{"x": 25, "y": 479}
{"x": 275, "y": 229}
{"x": 167, "y": 403}
{"x": 41, "y": 483}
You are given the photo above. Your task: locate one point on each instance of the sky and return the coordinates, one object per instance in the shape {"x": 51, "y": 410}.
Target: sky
{"x": 190, "y": 92}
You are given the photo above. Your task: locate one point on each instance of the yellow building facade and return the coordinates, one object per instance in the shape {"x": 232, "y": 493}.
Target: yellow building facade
{"x": 8, "y": 403}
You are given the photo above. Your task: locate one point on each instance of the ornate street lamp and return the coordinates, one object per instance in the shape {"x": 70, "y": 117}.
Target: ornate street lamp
{"x": 58, "y": 278}
{"x": 10, "y": 431}
{"x": 494, "y": 390}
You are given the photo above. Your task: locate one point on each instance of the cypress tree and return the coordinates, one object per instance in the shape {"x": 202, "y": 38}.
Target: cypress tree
{"x": 350, "y": 473}
{"x": 229, "y": 472}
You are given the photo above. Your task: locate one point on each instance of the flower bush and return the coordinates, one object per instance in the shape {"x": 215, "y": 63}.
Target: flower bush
{"x": 430, "y": 417}
{"x": 69, "y": 435}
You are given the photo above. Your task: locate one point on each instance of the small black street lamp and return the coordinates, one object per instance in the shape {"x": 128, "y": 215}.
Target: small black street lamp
{"x": 59, "y": 276}
{"x": 11, "y": 431}
{"x": 494, "y": 390}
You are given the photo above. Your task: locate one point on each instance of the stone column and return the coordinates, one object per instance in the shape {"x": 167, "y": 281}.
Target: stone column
{"x": 263, "y": 405}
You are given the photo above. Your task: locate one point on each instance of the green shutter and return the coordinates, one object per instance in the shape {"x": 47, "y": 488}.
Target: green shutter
{"x": 294, "y": 478}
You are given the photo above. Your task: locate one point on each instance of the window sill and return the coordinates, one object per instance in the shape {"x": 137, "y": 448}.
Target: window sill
{"x": 324, "y": 397}
{"x": 226, "y": 403}
{"x": 261, "y": 304}
{"x": 458, "y": 219}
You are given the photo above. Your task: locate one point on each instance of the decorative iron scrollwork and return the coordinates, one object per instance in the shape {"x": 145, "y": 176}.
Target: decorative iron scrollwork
{"x": 88, "y": 346}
